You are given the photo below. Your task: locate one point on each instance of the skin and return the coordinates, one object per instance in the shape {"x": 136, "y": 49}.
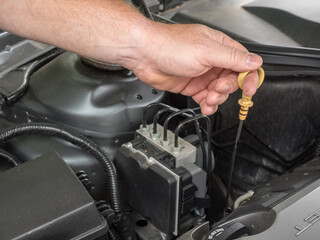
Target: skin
{"x": 193, "y": 60}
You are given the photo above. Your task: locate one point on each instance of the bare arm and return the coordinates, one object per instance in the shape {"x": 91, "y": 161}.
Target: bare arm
{"x": 101, "y": 29}
{"x": 193, "y": 60}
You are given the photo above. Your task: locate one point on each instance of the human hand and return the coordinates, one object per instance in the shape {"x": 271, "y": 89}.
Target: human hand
{"x": 196, "y": 61}
{"x": 193, "y": 60}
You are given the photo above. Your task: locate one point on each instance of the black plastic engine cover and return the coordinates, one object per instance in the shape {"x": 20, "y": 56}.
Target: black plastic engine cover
{"x": 103, "y": 105}
{"x": 43, "y": 199}
{"x": 285, "y": 208}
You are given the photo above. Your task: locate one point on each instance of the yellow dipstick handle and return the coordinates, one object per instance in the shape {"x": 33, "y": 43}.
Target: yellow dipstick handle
{"x": 245, "y": 102}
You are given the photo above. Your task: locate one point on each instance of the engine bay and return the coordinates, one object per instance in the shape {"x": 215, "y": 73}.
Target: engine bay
{"x": 91, "y": 152}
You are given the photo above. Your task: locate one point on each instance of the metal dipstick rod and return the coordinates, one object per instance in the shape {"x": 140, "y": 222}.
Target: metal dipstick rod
{"x": 245, "y": 103}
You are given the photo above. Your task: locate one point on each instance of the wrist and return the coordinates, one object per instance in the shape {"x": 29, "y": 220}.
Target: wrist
{"x": 117, "y": 36}
{"x": 139, "y": 37}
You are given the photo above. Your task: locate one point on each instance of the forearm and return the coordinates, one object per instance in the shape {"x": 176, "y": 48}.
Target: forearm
{"x": 193, "y": 60}
{"x": 107, "y": 30}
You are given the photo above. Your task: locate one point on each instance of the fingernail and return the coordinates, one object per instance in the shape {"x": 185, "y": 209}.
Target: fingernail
{"x": 253, "y": 59}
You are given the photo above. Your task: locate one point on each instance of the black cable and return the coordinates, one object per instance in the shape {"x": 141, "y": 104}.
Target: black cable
{"x": 176, "y": 137}
{"x": 270, "y": 169}
{"x": 259, "y": 151}
{"x": 153, "y": 105}
{"x": 157, "y": 116}
{"x": 13, "y": 160}
{"x": 298, "y": 159}
{"x": 280, "y": 160}
{"x": 168, "y": 108}
{"x": 180, "y": 112}
{"x": 248, "y": 159}
{"x": 177, "y": 112}
{"x": 222, "y": 148}
{"x": 113, "y": 234}
{"x": 268, "y": 146}
{"x": 147, "y": 108}
{"x": 121, "y": 221}
{"x": 197, "y": 127}
{"x": 221, "y": 131}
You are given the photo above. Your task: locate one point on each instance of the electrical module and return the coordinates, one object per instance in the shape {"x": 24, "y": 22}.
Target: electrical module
{"x": 161, "y": 181}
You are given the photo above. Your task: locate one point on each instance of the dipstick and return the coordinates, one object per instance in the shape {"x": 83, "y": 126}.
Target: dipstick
{"x": 245, "y": 103}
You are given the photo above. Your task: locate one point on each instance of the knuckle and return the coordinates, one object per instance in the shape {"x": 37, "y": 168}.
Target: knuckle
{"x": 224, "y": 39}
{"x": 205, "y": 29}
{"x": 233, "y": 56}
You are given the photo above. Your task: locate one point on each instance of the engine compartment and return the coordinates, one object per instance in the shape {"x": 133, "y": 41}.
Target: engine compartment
{"x": 109, "y": 127}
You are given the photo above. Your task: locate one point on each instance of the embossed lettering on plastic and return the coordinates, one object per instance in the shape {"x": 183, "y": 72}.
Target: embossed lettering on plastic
{"x": 308, "y": 222}
{"x": 215, "y": 233}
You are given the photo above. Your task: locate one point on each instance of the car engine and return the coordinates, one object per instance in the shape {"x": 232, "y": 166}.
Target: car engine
{"x": 88, "y": 151}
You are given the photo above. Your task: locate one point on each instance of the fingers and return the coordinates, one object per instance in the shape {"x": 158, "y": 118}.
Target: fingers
{"x": 251, "y": 83}
{"x": 215, "y": 98}
{"x": 197, "y": 84}
{"x": 217, "y": 92}
{"x": 226, "y": 83}
{"x": 201, "y": 99}
{"x": 208, "y": 110}
{"x": 233, "y": 58}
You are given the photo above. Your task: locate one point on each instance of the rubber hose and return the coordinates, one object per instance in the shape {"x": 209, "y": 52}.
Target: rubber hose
{"x": 243, "y": 197}
{"x": 125, "y": 228}
{"x": 48, "y": 129}
{"x": 113, "y": 234}
{"x": 13, "y": 160}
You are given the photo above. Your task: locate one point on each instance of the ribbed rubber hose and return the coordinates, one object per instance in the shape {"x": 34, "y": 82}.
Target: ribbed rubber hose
{"x": 13, "y": 160}
{"x": 121, "y": 221}
{"x": 113, "y": 234}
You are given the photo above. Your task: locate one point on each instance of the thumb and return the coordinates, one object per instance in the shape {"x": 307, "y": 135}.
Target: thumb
{"x": 234, "y": 59}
